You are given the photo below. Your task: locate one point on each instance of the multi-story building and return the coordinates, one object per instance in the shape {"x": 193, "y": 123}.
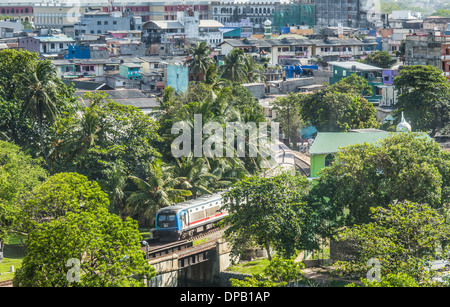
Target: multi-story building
{"x": 372, "y": 74}
{"x": 256, "y": 11}
{"x": 202, "y": 7}
{"x": 445, "y": 59}
{"x": 99, "y": 22}
{"x": 425, "y": 49}
{"x": 348, "y": 13}
{"x": 170, "y": 37}
{"x": 281, "y": 51}
{"x": 17, "y": 9}
{"x": 47, "y": 44}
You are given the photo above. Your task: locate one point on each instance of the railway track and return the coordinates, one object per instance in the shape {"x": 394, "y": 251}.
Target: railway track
{"x": 160, "y": 249}
{"x": 302, "y": 164}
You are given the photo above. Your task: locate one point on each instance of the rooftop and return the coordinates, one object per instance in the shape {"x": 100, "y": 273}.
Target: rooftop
{"x": 355, "y": 65}
{"x": 330, "y": 142}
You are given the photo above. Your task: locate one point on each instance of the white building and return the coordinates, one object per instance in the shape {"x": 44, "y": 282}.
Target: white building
{"x": 171, "y": 35}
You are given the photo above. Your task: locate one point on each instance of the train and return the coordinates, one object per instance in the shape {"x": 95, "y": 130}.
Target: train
{"x": 189, "y": 218}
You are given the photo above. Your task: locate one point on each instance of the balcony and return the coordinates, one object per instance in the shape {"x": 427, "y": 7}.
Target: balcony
{"x": 445, "y": 57}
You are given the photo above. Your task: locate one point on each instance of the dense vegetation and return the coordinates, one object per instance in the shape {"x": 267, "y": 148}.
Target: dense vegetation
{"x": 91, "y": 168}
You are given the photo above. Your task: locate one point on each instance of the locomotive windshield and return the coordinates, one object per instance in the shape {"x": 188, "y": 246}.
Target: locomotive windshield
{"x": 166, "y": 220}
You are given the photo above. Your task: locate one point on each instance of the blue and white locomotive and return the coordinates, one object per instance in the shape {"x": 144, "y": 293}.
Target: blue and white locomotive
{"x": 186, "y": 219}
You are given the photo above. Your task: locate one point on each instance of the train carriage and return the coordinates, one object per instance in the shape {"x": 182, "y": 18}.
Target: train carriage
{"x": 189, "y": 218}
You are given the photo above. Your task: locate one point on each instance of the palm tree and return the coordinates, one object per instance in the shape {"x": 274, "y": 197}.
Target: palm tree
{"x": 194, "y": 174}
{"x": 233, "y": 68}
{"x": 156, "y": 191}
{"x": 200, "y": 60}
{"x": 40, "y": 97}
{"x": 253, "y": 70}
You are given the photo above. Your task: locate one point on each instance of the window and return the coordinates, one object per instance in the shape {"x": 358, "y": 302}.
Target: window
{"x": 99, "y": 23}
{"x": 329, "y": 159}
{"x": 114, "y": 22}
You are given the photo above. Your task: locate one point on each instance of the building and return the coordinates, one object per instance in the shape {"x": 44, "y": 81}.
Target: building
{"x": 445, "y": 59}
{"x": 257, "y": 11}
{"x": 372, "y": 74}
{"x": 130, "y": 71}
{"x": 23, "y": 11}
{"x": 47, "y": 44}
{"x": 388, "y": 91}
{"x": 201, "y": 7}
{"x": 177, "y": 77}
{"x": 99, "y": 22}
{"x": 344, "y": 49}
{"x": 8, "y": 29}
{"x": 327, "y": 144}
{"x": 425, "y": 49}
{"x": 295, "y": 49}
{"x": 436, "y": 23}
{"x": 348, "y": 13}
{"x": 171, "y": 37}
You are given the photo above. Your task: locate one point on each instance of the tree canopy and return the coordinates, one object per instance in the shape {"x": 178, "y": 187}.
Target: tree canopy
{"x": 404, "y": 166}
{"x": 269, "y": 212}
{"x": 424, "y": 97}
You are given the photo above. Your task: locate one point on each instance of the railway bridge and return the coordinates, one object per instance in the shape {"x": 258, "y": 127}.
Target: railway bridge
{"x": 182, "y": 264}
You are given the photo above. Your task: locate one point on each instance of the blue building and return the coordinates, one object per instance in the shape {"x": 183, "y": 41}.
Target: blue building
{"x": 178, "y": 77}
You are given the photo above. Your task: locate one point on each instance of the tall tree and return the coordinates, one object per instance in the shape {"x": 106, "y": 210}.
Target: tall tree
{"x": 158, "y": 189}
{"x": 401, "y": 236}
{"x": 269, "y": 212}
{"x": 199, "y": 60}
{"x": 234, "y": 67}
{"x": 424, "y": 97}
{"x": 93, "y": 248}
{"x": 339, "y": 107}
{"x": 380, "y": 59}
{"x": 404, "y": 166}
{"x": 40, "y": 97}
{"x": 19, "y": 174}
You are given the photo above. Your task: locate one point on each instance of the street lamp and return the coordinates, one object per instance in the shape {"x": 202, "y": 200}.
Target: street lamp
{"x": 145, "y": 243}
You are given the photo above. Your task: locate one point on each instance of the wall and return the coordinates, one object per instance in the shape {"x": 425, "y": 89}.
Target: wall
{"x": 177, "y": 77}
{"x": 29, "y": 44}
{"x": 317, "y": 162}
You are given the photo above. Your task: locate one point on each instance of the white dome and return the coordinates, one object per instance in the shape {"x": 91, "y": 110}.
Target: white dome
{"x": 403, "y": 126}
{"x": 267, "y": 22}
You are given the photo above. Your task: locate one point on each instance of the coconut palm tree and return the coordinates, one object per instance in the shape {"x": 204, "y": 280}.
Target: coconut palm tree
{"x": 40, "y": 97}
{"x": 158, "y": 190}
{"x": 199, "y": 60}
{"x": 233, "y": 68}
{"x": 253, "y": 70}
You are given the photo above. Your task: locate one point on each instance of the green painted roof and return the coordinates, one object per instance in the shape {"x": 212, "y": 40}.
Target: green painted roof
{"x": 330, "y": 142}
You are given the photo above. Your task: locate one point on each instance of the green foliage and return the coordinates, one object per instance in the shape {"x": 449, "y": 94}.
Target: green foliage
{"x": 19, "y": 174}
{"x": 442, "y": 12}
{"x": 107, "y": 247}
{"x": 240, "y": 68}
{"x": 288, "y": 115}
{"x": 278, "y": 273}
{"x": 269, "y": 212}
{"x": 199, "y": 60}
{"x": 404, "y": 166}
{"x": 390, "y": 280}
{"x": 31, "y": 96}
{"x": 58, "y": 195}
{"x": 339, "y": 107}
{"x": 424, "y": 97}
{"x": 402, "y": 236}
{"x": 380, "y": 59}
